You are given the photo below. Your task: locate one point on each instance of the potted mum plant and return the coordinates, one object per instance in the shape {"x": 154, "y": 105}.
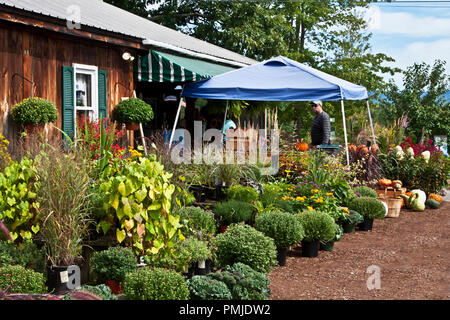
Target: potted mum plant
{"x": 284, "y": 228}
{"x": 34, "y": 113}
{"x": 370, "y": 209}
{"x": 132, "y": 112}
{"x": 329, "y": 245}
{"x": 318, "y": 226}
{"x": 111, "y": 266}
{"x": 351, "y": 220}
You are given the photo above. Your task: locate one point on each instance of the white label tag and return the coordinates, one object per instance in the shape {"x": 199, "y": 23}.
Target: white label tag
{"x": 64, "y": 276}
{"x": 201, "y": 264}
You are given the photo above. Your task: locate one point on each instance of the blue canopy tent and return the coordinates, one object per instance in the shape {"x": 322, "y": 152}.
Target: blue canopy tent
{"x": 279, "y": 79}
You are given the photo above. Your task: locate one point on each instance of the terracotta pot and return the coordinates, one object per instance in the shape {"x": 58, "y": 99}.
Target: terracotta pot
{"x": 115, "y": 287}
{"x": 31, "y": 128}
{"x": 132, "y": 126}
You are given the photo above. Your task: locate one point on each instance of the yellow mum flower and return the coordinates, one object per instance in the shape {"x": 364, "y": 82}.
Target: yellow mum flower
{"x": 314, "y": 191}
{"x": 310, "y": 208}
{"x": 329, "y": 193}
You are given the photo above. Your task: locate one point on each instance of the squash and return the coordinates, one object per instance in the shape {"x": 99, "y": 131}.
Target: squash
{"x": 433, "y": 204}
{"x": 406, "y": 200}
{"x": 436, "y": 197}
{"x": 301, "y": 146}
{"x": 415, "y": 202}
{"x": 422, "y": 194}
{"x": 384, "y": 183}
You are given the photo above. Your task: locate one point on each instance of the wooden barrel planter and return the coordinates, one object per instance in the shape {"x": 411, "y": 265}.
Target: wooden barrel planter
{"x": 394, "y": 205}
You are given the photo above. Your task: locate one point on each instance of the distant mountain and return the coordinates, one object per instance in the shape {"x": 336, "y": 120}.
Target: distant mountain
{"x": 382, "y": 97}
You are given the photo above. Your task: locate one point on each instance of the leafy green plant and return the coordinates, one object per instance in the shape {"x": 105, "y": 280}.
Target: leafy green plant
{"x": 102, "y": 291}
{"x": 19, "y": 185}
{"x": 368, "y": 207}
{"x": 283, "y": 227}
{"x": 197, "y": 250}
{"x": 34, "y": 111}
{"x": 205, "y": 288}
{"x": 233, "y": 211}
{"x": 244, "y": 282}
{"x": 137, "y": 199}
{"x": 365, "y": 191}
{"x": 113, "y": 263}
{"x": 353, "y": 217}
{"x": 5, "y": 157}
{"x": 132, "y": 110}
{"x": 271, "y": 194}
{"x": 155, "y": 284}
{"x": 197, "y": 221}
{"x": 242, "y": 193}
{"x": 25, "y": 254}
{"x": 17, "y": 279}
{"x": 243, "y": 243}
{"x": 317, "y": 225}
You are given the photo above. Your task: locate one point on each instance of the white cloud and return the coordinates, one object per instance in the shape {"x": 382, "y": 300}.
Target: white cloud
{"x": 418, "y": 52}
{"x": 404, "y": 23}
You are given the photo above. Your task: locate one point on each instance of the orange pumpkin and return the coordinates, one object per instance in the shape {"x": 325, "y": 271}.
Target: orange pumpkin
{"x": 352, "y": 147}
{"x": 436, "y": 197}
{"x": 385, "y": 182}
{"x": 408, "y": 194}
{"x": 373, "y": 149}
{"x": 301, "y": 146}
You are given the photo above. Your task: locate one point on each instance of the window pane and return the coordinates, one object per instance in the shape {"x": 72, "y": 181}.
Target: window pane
{"x": 84, "y": 90}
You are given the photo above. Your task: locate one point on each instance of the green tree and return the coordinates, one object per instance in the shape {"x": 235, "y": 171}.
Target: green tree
{"x": 422, "y": 99}
{"x": 138, "y": 7}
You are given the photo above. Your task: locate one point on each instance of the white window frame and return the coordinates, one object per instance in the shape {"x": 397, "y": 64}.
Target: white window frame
{"x": 93, "y": 72}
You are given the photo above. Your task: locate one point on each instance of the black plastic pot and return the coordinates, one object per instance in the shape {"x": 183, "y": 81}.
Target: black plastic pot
{"x": 57, "y": 279}
{"x": 197, "y": 191}
{"x": 348, "y": 227}
{"x": 366, "y": 225}
{"x": 221, "y": 192}
{"x": 190, "y": 272}
{"x": 327, "y": 246}
{"x": 310, "y": 249}
{"x": 210, "y": 193}
{"x": 281, "y": 256}
{"x": 200, "y": 271}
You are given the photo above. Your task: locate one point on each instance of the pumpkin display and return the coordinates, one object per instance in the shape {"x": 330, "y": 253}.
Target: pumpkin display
{"x": 384, "y": 183}
{"x": 436, "y": 197}
{"x": 301, "y": 146}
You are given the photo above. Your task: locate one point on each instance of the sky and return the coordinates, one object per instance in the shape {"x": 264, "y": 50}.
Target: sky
{"x": 411, "y": 31}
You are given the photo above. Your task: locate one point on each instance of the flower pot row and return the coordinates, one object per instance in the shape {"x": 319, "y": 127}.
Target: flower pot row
{"x": 203, "y": 193}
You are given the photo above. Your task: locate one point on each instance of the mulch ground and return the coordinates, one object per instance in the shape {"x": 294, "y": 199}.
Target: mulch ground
{"x": 411, "y": 251}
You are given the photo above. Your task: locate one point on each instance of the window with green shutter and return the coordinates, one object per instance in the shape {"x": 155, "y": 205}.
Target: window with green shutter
{"x": 84, "y": 94}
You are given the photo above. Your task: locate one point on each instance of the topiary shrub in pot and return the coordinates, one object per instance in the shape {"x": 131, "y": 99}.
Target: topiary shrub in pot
{"x": 155, "y": 284}
{"x": 132, "y": 111}
{"x": 370, "y": 209}
{"x": 232, "y": 211}
{"x": 111, "y": 266}
{"x": 243, "y": 243}
{"x": 318, "y": 226}
{"x": 206, "y": 288}
{"x": 17, "y": 279}
{"x": 284, "y": 228}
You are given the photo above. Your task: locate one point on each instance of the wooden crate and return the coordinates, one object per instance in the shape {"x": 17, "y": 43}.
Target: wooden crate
{"x": 390, "y": 192}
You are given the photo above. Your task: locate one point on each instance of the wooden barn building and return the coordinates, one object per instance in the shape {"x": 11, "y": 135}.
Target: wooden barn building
{"x": 86, "y": 55}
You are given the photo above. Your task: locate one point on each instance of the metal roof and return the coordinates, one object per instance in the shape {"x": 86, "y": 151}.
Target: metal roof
{"x": 101, "y": 15}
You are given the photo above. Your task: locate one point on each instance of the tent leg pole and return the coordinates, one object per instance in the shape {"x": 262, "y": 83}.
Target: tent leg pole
{"x": 345, "y": 132}
{"x": 225, "y": 116}
{"x": 175, "y": 124}
{"x": 371, "y": 125}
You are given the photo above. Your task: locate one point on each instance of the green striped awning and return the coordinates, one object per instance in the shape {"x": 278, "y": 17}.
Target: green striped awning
{"x": 164, "y": 67}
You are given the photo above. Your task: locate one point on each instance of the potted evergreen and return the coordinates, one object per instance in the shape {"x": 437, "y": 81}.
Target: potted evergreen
{"x": 370, "y": 208}
{"x": 111, "y": 266}
{"x": 34, "y": 113}
{"x": 318, "y": 226}
{"x": 284, "y": 228}
{"x": 132, "y": 112}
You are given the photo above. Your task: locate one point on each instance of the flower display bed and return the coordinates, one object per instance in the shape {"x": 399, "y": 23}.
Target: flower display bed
{"x": 409, "y": 250}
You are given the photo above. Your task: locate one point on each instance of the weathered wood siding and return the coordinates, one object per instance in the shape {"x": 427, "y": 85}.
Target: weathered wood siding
{"x": 39, "y": 56}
